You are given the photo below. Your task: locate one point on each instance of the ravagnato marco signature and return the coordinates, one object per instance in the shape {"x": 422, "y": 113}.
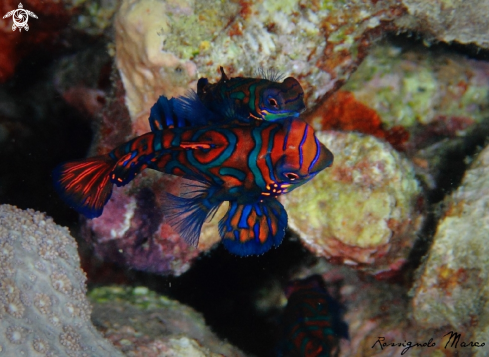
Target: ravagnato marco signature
{"x": 453, "y": 342}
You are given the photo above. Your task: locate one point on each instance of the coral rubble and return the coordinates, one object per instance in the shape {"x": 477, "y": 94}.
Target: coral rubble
{"x": 452, "y": 286}
{"x": 380, "y": 320}
{"x": 364, "y": 211}
{"x": 162, "y": 46}
{"x": 460, "y": 21}
{"x": 141, "y": 323}
{"x": 419, "y": 89}
{"x": 132, "y": 230}
{"x": 43, "y": 307}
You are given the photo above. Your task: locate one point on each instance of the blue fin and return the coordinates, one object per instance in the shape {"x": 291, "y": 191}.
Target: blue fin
{"x": 188, "y": 213}
{"x": 189, "y": 110}
{"x": 169, "y": 113}
{"x": 193, "y": 111}
{"x": 180, "y": 112}
{"x": 161, "y": 115}
{"x": 253, "y": 228}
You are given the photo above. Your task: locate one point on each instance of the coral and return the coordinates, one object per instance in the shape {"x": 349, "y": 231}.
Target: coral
{"x": 452, "y": 286}
{"x": 141, "y": 323}
{"x": 460, "y": 21}
{"x": 133, "y": 231}
{"x": 160, "y": 51}
{"x": 431, "y": 94}
{"x": 39, "y": 292}
{"x": 156, "y": 55}
{"x": 343, "y": 112}
{"x": 364, "y": 211}
{"x": 147, "y": 69}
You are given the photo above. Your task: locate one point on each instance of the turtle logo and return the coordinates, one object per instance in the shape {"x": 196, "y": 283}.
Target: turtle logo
{"x": 20, "y": 17}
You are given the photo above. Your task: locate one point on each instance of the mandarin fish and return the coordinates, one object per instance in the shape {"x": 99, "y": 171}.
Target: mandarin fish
{"x": 262, "y": 99}
{"x": 248, "y": 164}
{"x": 187, "y": 111}
{"x": 312, "y": 323}
{"x": 259, "y": 98}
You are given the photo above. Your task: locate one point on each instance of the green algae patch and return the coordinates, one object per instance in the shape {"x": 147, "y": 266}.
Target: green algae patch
{"x": 140, "y": 297}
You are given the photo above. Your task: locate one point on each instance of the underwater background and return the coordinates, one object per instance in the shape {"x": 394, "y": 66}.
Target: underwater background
{"x": 385, "y": 251}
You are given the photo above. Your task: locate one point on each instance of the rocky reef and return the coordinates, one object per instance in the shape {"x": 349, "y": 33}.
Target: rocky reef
{"x": 406, "y": 99}
{"x": 451, "y": 285}
{"x": 365, "y": 211}
{"x": 44, "y": 308}
{"x": 164, "y": 54}
{"x": 460, "y": 21}
{"x": 398, "y": 90}
{"x": 141, "y": 323}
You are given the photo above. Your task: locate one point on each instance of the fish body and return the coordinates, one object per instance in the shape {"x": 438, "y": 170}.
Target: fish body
{"x": 230, "y": 99}
{"x": 248, "y": 164}
{"x": 312, "y": 321}
{"x": 259, "y": 98}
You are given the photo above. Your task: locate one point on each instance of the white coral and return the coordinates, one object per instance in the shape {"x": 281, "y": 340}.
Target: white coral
{"x": 40, "y": 284}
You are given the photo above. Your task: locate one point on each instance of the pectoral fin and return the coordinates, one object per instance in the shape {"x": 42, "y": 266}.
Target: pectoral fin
{"x": 188, "y": 213}
{"x": 252, "y": 229}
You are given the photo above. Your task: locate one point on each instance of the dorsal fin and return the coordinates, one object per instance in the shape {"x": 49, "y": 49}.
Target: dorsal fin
{"x": 224, "y": 77}
{"x": 188, "y": 111}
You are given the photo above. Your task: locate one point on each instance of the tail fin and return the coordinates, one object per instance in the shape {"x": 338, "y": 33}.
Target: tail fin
{"x": 85, "y": 184}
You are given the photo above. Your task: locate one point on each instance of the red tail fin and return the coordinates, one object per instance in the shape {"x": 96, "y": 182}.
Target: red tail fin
{"x": 85, "y": 184}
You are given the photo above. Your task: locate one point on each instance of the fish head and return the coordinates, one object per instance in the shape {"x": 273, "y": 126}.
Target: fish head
{"x": 304, "y": 156}
{"x": 281, "y": 100}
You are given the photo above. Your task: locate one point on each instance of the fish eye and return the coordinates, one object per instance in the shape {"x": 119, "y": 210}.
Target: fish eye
{"x": 291, "y": 176}
{"x": 272, "y": 102}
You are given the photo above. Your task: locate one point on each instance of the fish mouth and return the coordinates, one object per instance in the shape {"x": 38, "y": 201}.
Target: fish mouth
{"x": 278, "y": 115}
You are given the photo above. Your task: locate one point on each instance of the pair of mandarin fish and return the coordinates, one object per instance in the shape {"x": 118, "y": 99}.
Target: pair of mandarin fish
{"x": 239, "y": 140}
